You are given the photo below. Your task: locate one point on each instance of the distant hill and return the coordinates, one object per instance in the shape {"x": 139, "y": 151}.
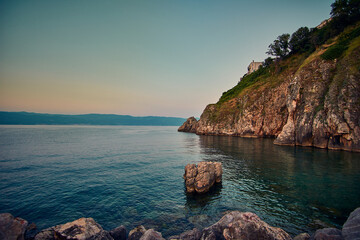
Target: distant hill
{"x": 27, "y": 118}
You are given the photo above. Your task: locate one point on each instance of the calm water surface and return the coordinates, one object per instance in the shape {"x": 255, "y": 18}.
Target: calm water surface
{"x": 133, "y": 175}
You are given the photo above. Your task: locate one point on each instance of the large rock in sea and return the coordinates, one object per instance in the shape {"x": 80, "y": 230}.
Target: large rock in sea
{"x": 243, "y": 225}
{"x": 81, "y": 229}
{"x": 351, "y": 228}
{"x": 202, "y": 177}
{"x": 12, "y": 228}
{"x": 189, "y": 125}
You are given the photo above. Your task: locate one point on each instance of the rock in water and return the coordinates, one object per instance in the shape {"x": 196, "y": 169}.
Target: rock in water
{"x": 327, "y": 234}
{"x": 202, "y": 177}
{"x": 194, "y": 234}
{"x": 151, "y": 234}
{"x": 189, "y": 126}
{"x": 189, "y": 176}
{"x": 119, "y": 233}
{"x": 205, "y": 178}
{"x": 82, "y": 229}
{"x": 12, "y": 228}
{"x": 137, "y": 233}
{"x": 243, "y": 225}
{"x": 46, "y": 234}
{"x": 351, "y": 228}
{"x": 302, "y": 236}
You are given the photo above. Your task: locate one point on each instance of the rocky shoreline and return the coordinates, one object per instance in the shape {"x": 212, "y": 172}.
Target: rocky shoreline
{"x": 233, "y": 225}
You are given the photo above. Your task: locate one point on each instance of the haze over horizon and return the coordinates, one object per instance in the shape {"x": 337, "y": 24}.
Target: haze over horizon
{"x": 140, "y": 58}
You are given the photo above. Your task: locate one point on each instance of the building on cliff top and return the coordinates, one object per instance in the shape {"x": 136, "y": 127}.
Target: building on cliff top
{"x": 253, "y": 66}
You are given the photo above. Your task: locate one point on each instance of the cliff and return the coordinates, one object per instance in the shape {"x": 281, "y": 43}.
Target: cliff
{"x": 304, "y": 99}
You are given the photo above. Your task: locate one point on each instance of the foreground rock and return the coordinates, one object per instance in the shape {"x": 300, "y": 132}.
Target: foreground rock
{"x": 189, "y": 125}
{"x": 234, "y": 225}
{"x": 119, "y": 233}
{"x": 243, "y": 225}
{"x": 137, "y": 233}
{"x": 83, "y": 228}
{"x": 327, "y": 234}
{"x": 202, "y": 177}
{"x": 351, "y": 228}
{"x": 12, "y": 228}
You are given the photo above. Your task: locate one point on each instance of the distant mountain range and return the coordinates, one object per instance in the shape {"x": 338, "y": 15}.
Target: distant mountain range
{"x": 28, "y": 118}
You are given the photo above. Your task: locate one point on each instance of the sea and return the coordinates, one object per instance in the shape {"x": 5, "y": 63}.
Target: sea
{"x": 133, "y": 175}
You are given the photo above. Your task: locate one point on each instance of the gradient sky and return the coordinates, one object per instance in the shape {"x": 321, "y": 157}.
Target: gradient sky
{"x": 137, "y": 57}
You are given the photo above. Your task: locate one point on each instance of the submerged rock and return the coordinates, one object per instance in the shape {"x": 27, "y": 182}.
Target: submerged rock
{"x": 12, "y": 228}
{"x": 189, "y": 125}
{"x": 31, "y": 231}
{"x": 351, "y": 228}
{"x": 202, "y": 177}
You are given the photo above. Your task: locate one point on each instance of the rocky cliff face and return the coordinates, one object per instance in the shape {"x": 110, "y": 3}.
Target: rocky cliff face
{"x": 310, "y": 102}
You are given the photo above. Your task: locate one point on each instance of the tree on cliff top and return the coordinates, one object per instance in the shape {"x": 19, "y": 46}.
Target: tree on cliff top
{"x": 300, "y": 40}
{"x": 280, "y": 47}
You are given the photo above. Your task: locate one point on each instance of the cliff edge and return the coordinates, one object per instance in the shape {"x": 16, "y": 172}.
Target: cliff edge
{"x": 304, "y": 99}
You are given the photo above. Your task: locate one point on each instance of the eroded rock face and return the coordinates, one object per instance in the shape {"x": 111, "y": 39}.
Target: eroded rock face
{"x": 202, "y": 177}
{"x": 315, "y": 105}
{"x": 12, "y": 228}
{"x": 243, "y": 225}
{"x": 351, "y": 228}
{"x": 81, "y": 229}
{"x": 190, "y": 125}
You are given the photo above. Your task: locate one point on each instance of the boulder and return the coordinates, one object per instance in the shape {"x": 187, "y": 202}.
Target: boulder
{"x": 302, "y": 236}
{"x": 194, "y": 234}
{"x": 189, "y": 125}
{"x": 46, "y": 234}
{"x": 119, "y": 233}
{"x": 243, "y": 225}
{"x": 327, "y": 234}
{"x": 151, "y": 234}
{"x": 82, "y": 229}
{"x": 12, "y": 228}
{"x": 137, "y": 233}
{"x": 31, "y": 231}
{"x": 351, "y": 228}
{"x": 202, "y": 177}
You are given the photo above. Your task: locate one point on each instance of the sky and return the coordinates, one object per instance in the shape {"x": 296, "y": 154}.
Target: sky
{"x": 136, "y": 57}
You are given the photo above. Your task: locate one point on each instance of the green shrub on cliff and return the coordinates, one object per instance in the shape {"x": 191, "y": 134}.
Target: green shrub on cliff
{"x": 337, "y": 50}
{"x": 245, "y": 82}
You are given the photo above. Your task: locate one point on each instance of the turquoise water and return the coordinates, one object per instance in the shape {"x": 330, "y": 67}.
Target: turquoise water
{"x": 133, "y": 175}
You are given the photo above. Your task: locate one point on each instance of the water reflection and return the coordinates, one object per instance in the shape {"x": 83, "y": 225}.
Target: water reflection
{"x": 286, "y": 186}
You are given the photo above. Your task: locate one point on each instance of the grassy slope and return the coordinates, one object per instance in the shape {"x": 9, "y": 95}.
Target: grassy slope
{"x": 273, "y": 75}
